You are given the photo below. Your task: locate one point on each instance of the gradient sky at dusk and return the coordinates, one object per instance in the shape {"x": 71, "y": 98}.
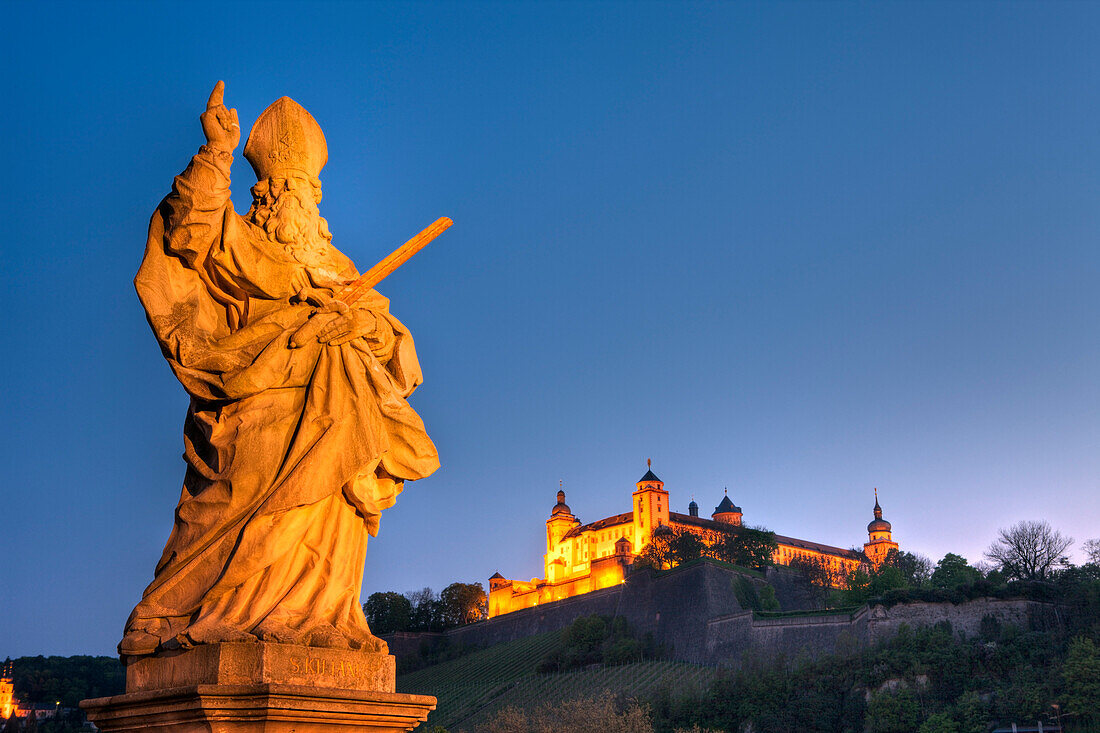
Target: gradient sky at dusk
{"x": 795, "y": 250}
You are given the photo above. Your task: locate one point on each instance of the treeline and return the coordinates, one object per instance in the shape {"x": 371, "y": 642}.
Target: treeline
{"x": 1030, "y": 551}
{"x": 424, "y": 610}
{"x": 1026, "y": 560}
{"x": 747, "y": 547}
{"x": 66, "y": 680}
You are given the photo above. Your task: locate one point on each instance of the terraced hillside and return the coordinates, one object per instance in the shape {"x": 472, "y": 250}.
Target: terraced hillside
{"x": 472, "y": 688}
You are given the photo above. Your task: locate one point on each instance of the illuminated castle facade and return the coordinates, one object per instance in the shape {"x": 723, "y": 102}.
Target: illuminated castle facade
{"x": 585, "y": 557}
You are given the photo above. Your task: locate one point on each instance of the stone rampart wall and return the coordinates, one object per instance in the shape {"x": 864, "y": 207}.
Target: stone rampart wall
{"x": 674, "y": 606}
{"x": 965, "y": 618}
{"x": 733, "y": 639}
{"x": 694, "y": 610}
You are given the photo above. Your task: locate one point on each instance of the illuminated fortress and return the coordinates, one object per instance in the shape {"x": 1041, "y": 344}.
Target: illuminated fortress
{"x": 585, "y": 557}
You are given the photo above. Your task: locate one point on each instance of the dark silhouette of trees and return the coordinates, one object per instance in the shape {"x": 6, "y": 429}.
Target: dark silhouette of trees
{"x": 423, "y": 610}
{"x": 463, "y": 603}
{"x": 388, "y": 612}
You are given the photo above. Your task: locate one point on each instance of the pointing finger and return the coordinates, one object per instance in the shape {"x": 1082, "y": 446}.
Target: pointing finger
{"x": 216, "y": 96}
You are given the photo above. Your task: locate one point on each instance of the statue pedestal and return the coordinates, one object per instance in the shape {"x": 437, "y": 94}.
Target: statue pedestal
{"x": 260, "y": 688}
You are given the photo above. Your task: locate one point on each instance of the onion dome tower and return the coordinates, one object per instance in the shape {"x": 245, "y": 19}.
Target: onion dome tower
{"x": 561, "y": 521}
{"x": 879, "y": 537}
{"x": 557, "y": 526}
{"x": 693, "y": 509}
{"x": 727, "y": 512}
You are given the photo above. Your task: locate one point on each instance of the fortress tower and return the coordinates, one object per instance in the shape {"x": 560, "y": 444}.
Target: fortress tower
{"x": 880, "y": 539}
{"x": 557, "y": 526}
{"x": 650, "y": 507}
{"x": 727, "y": 512}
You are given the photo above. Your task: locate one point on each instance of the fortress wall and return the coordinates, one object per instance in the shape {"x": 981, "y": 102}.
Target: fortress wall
{"x": 965, "y": 618}
{"x": 694, "y": 610}
{"x": 539, "y": 619}
{"x": 408, "y": 643}
{"x": 674, "y": 606}
{"x": 736, "y": 638}
{"x": 678, "y": 604}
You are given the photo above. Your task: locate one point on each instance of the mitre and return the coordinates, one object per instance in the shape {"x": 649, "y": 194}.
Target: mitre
{"x": 284, "y": 139}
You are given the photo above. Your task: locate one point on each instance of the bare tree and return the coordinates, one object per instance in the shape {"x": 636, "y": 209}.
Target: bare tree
{"x": 1092, "y": 551}
{"x": 1029, "y": 550}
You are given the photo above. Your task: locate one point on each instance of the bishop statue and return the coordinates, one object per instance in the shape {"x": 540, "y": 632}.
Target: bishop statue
{"x": 294, "y": 445}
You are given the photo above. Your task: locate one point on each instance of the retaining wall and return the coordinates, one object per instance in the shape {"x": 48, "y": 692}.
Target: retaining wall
{"x": 694, "y": 610}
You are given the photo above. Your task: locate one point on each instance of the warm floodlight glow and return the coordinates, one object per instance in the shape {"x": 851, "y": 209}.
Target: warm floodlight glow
{"x": 583, "y": 558}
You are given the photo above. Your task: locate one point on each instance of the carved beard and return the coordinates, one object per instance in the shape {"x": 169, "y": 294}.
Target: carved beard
{"x": 291, "y": 221}
{"x": 295, "y": 223}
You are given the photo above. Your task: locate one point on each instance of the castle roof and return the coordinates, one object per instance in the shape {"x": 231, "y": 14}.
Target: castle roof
{"x": 649, "y": 476}
{"x": 626, "y": 518}
{"x": 726, "y": 506}
{"x": 818, "y": 547}
{"x": 676, "y": 518}
{"x": 878, "y": 524}
{"x": 561, "y": 507}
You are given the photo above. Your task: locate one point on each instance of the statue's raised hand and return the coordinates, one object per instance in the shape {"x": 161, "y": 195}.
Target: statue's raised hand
{"x": 223, "y": 131}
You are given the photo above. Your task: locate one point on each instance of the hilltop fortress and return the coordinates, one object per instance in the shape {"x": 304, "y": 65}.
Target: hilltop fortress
{"x": 581, "y": 558}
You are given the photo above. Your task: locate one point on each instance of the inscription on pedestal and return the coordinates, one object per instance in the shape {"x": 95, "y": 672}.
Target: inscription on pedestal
{"x": 251, "y": 663}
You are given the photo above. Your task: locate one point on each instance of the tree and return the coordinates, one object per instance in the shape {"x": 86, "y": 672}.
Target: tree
{"x": 953, "y": 571}
{"x": 768, "y": 601}
{"x": 686, "y": 546}
{"x": 1092, "y": 551}
{"x": 388, "y": 612}
{"x": 939, "y": 723}
{"x": 865, "y": 582}
{"x": 658, "y": 553}
{"x": 749, "y": 547}
{"x": 1082, "y": 675}
{"x": 915, "y": 569}
{"x": 1029, "y": 550}
{"x": 893, "y": 713}
{"x": 462, "y": 603}
{"x": 817, "y": 575}
{"x": 425, "y": 610}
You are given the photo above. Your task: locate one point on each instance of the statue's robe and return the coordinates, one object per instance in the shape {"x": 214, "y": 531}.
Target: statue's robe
{"x": 292, "y": 453}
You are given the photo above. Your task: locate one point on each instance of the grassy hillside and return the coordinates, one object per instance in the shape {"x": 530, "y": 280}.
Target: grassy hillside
{"x": 470, "y": 689}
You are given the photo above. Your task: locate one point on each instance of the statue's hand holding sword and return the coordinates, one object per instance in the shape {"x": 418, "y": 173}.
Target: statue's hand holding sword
{"x": 353, "y": 291}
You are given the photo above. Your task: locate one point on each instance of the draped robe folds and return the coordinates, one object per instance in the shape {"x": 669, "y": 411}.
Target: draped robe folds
{"x": 292, "y": 454}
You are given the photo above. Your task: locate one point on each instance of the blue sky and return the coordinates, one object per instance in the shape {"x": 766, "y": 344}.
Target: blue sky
{"x": 796, "y": 250}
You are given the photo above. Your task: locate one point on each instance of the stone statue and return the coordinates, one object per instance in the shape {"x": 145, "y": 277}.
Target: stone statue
{"x": 292, "y": 449}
